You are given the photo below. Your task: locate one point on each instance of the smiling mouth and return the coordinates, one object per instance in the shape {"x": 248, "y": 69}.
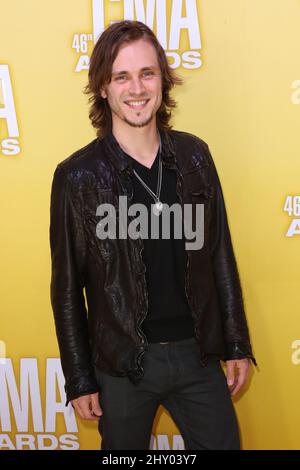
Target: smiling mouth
{"x": 137, "y": 104}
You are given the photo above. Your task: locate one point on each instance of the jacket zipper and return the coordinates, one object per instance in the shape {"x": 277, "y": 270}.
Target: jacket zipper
{"x": 139, "y": 323}
{"x": 139, "y": 329}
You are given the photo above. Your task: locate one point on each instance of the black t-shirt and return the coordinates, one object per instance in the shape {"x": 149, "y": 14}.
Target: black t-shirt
{"x": 169, "y": 316}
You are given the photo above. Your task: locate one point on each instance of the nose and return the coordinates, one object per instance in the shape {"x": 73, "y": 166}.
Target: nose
{"x": 136, "y": 86}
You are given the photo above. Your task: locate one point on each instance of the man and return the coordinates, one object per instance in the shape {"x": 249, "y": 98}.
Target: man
{"x": 162, "y": 312}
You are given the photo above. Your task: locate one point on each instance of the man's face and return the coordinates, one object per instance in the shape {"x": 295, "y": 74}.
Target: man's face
{"x": 135, "y": 91}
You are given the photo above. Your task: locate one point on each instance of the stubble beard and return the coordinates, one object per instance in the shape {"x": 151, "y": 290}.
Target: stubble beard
{"x": 139, "y": 124}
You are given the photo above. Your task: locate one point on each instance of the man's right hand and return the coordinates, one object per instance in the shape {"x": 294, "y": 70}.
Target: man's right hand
{"x": 88, "y": 406}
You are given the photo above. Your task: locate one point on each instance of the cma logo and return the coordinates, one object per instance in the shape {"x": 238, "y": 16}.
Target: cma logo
{"x": 23, "y": 406}
{"x": 10, "y": 145}
{"x": 292, "y": 207}
{"x": 170, "y": 17}
{"x": 295, "y": 358}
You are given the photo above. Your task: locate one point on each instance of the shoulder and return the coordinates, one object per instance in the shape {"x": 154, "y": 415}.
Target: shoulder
{"x": 80, "y": 157}
{"x": 85, "y": 166}
{"x": 191, "y": 149}
{"x": 187, "y": 137}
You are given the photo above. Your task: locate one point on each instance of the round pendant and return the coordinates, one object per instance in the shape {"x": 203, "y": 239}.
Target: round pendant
{"x": 157, "y": 208}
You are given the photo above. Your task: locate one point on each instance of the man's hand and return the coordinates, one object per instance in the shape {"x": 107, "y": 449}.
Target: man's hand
{"x": 237, "y": 374}
{"x": 88, "y": 406}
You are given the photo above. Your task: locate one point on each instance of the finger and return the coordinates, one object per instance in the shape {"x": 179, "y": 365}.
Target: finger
{"x": 85, "y": 405}
{"x": 78, "y": 410}
{"x": 96, "y": 409}
{"x": 230, "y": 373}
{"x": 241, "y": 379}
{"x": 237, "y": 387}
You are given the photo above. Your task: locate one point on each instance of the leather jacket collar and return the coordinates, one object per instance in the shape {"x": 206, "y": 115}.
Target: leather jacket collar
{"x": 121, "y": 160}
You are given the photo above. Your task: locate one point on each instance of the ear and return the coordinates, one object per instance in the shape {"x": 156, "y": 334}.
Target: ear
{"x": 103, "y": 93}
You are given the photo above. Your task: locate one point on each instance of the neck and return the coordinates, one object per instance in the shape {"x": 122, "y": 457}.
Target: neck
{"x": 141, "y": 143}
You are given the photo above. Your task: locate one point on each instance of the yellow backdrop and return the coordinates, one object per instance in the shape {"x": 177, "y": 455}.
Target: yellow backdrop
{"x": 241, "y": 63}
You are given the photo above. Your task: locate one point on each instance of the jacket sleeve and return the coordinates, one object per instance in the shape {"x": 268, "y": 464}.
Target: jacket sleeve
{"x": 67, "y": 256}
{"x": 236, "y": 334}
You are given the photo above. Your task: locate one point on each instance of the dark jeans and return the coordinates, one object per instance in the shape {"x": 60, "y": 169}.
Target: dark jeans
{"x": 196, "y": 397}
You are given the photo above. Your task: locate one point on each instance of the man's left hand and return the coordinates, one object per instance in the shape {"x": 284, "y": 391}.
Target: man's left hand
{"x": 237, "y": 374}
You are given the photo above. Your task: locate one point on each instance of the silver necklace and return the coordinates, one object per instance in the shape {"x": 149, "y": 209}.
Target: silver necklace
{"x": 158, "y": 206}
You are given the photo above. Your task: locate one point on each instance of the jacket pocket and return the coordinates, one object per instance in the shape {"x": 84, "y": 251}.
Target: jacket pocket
{"x": 204, "y": 193}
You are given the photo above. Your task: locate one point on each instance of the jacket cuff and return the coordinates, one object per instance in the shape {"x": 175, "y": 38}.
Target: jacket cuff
{"x": 80, "y": 389}
{"x": 238, "y": 350}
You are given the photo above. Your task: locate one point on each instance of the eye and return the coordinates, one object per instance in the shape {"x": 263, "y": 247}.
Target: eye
{"x": 147, "y": 74}
{"x": 121, "y": 78}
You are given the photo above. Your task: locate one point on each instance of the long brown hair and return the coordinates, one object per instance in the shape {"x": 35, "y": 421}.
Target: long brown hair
{"x": 104, "y": 53}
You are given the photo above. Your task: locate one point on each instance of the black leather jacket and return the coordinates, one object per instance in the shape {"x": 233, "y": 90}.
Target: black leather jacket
{"x": 98, "y": 287}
